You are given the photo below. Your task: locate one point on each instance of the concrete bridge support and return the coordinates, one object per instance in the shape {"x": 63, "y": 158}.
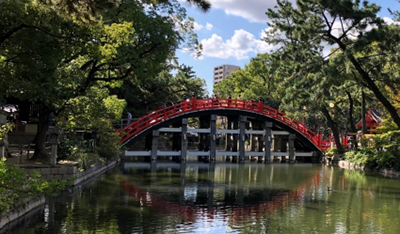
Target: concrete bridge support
{"x": 292, "y": 137}
{"x": 235, "y": 139}
{"x": 154, "y": 145}
{"x": 242, "y": 138}
{"x": 184, "y": 140}
{"x": 283, "y": 146}
{"x": 268, "y": 141}
{"x": 213, "y": 137}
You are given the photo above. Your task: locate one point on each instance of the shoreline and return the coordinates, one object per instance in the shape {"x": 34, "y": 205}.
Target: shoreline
{"x": 29, "y": 207}
{"x": 384, "y": 172}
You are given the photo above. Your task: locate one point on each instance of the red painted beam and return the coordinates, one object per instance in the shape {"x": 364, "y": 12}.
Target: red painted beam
{"x": 193, "y": 105}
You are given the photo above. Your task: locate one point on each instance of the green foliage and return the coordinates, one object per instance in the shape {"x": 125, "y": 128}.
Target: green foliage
{"x": 332, "y": 151}
{"x": 303, "y": 29}
{"x": 255, "y": 80}
{"x": 65, "y": 56}
{"x": 16, "y": 186}
{"x": 361, "y": 156}
{"x": 4, "y": 129}
{"x": 79, "y": 151}
{"x": 109, "y": 146}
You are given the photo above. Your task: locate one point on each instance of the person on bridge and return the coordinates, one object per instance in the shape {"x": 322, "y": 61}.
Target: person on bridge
{"x": 129, "y": 118}
{"x": 215, "y": 101}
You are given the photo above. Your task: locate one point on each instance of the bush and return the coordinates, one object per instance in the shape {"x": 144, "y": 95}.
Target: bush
{"x": 16, "y": 186}
{"x": 361, "y": 156}
{"x": 332, "y": 151}
{"x": 109, "y": 145}
{"x": 79, "y": 151}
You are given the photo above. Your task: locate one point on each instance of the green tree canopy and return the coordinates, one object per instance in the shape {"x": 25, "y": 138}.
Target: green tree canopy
{"x": 59, "y": 61}
{"x": 347, "y": 24}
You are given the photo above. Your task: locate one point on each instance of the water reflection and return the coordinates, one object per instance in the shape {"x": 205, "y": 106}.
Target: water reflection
{"x": 219, "y": 198}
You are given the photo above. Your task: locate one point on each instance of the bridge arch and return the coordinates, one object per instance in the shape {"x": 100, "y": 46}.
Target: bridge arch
{"x": 201, "y": 107}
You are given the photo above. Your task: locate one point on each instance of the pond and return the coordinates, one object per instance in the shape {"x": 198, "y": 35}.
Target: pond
{"x": 224, "y": 198}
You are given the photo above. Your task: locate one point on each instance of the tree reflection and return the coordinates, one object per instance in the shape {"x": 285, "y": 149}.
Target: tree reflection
{"x": 227, "y": 198}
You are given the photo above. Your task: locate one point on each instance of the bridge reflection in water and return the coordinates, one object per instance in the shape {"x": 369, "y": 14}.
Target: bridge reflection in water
{"x": 235, "y": 193}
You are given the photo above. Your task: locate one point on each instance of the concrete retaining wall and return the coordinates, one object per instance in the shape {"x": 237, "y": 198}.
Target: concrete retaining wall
{"x": 385, "y": 172}
{"x": 20, "y": 212}
{"x": 349, "y": 165}
{"x": 49, "y": 173}
{"x": 68, "y": 172}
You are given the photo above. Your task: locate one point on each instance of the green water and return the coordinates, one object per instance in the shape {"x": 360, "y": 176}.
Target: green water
{"x": 225, "y": 198}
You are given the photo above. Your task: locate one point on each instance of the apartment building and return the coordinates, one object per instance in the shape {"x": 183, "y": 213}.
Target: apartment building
{"x": 222, "y": 72}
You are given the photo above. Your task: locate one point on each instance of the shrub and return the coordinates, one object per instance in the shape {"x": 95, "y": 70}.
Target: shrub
{"x": 361, "y": 156}
{"x": 109, "y": 145}
{"x": 332, "y": 151}
{"x": 16, "y": 186}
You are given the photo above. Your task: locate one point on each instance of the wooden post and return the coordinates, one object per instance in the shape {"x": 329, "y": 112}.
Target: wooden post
{"x": 235, "y": 139}
{"x": 184, "y": 140}
{"x": 292, "y": 137}
{"x": 213, "y": 128}
{"x": 154, "y": 145}
{"x": 242, "y": 138}
{"x": 268, "y": 141}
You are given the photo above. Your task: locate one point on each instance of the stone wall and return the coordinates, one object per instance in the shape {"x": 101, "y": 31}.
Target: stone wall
{"x": 49, "y": 173}
{"x": 385, "y": 172}
{"x": 349, "y": 165}
{"x": 20, "y": 212}
{"x": 66, "y": 172}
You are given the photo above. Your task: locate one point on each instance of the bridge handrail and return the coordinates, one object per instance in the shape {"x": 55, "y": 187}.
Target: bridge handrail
{"x": 193, "y": 105}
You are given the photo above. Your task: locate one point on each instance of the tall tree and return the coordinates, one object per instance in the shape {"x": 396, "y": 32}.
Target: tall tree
{"x": 258, "y": 79}
{"x": 349, "y": 25}
{"x": 53, "y": 59}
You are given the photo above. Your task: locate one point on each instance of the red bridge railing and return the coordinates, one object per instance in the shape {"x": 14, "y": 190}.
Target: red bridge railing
{"x": 158, "y": 116}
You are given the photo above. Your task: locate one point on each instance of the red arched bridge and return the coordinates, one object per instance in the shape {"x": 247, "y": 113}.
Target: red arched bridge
{"x": 198, "y": 107}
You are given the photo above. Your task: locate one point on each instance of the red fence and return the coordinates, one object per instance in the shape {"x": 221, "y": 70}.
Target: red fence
{"x": 155, "y": 117}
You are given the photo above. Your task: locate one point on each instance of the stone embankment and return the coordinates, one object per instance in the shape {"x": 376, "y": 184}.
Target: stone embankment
{"x": 385, "y": 172}
{"x": 21, "y": 212}
{"x": 49, "y": 173}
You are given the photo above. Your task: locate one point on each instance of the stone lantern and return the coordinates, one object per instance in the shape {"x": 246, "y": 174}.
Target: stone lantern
{"x": 54, "y": 139}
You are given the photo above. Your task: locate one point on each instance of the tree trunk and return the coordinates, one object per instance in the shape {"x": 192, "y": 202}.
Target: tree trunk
{"x": 334, "y": 129}
{"x": 40, "y": 138}
{"x": 353, "y": 128}
{"x": 370, "y": 83}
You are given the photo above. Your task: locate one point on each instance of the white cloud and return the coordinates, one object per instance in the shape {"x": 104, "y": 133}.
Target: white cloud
{"x": 198, "y": 27}
{"x": 390, "y": 21}
{"x": 209, "y": 26}
{"x": 215, "y": 47}
{"x": 252, "y": 10}
{"x": 240, "y": 46}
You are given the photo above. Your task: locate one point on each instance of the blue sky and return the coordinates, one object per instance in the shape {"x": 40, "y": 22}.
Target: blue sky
{"x": 231, "y": 31}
